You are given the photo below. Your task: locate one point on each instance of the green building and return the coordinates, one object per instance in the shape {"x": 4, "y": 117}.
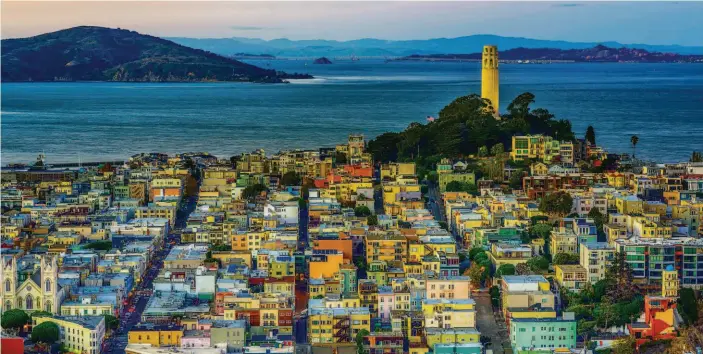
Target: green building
{"x": 534, "y": 334}
{"x": 458, "y": 348}
{"x": 485, "y": 236}
{"x": 446, "y": 178}
{"x": 120, "y": 192}
{"x": 349, "y": 280}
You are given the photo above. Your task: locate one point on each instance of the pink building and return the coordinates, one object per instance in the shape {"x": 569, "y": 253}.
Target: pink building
{"x": 452, "y": 287}
{"x": 195, "y": 339}
{"x": 385, "y": 302}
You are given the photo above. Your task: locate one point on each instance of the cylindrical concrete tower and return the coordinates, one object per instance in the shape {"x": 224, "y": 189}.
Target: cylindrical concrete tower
{"x": 489, "y": 75}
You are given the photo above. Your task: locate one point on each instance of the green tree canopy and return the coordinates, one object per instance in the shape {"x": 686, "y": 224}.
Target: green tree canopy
{"x": 362, "y": 210}
{"x": 505, "y": 269}
{"x": 458, "y": 186}
{"x": 541, "y": 230}
{"x": 688, "y": 305}
{"x": 111, "y": 322}
{"x": 591, "y": 135}
{"x": 372, "y": 220}
{"x": 558, "y": 203}
{"x": 250, "y": 192}
{"x": 538, "y": 264}
{"x": 100, "y": 245}
{"x": 565, "y": 258}
{"x": 14, "y": 318}
{"x": 290, "y": 178}
{"x": 46, "y": 332}
{"x": 466, "y": 125}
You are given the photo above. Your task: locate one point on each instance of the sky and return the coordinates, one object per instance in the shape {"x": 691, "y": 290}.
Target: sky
{"x": 626, "y": 22}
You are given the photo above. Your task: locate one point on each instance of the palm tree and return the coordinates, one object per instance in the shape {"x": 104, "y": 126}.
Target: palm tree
{"x": 634, "y": 140}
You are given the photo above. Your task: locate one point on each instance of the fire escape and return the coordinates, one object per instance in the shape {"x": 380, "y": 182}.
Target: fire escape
{"x": 342, "y": 330}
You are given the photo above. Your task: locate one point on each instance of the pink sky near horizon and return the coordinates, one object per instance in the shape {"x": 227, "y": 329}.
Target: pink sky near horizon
{"x": 626, "y": 22}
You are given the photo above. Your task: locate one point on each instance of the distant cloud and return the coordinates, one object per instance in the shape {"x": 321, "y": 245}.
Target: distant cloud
{"x": 568, "y": 5}
{"x": 250, "y": 28}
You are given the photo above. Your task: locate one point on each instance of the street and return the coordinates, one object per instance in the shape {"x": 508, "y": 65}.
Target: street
{"x": 131, "y": 312}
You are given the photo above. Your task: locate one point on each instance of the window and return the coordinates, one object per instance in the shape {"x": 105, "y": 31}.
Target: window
{"x": 8, "y": 285}
{"x": 47, "y": 285}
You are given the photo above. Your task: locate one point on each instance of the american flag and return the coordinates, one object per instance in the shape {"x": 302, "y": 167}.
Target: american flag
{"x": 430, "y": 119}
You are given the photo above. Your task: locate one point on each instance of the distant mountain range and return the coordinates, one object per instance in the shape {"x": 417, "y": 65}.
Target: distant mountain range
{"x": 386, "y": 48}
{"x": 105, "y": 54}
{"x": 599, "y": 53}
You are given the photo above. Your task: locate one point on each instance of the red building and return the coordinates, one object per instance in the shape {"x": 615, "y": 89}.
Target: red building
{"x": 660, "y": 320}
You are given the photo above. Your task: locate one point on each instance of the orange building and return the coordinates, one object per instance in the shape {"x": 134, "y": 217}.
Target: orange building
{"x": 343, "y": 243}
{"x": 325, "y": 263}
{"x": 659, "y": 314}
{"x": 358, "y": 170}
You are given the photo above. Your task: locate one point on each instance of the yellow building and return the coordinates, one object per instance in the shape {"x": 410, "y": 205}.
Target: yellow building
{"x": 503, "y": 253}
{"x": 571, "y": 277}
{"x": 490, "y": 78}
{"x": 449, "y": 313}
{"x": 451, "y": 336}
{"x": 595, "y": 257}
{"x": 396, "y": 169}
{"x": 337, "y": 325}
{"x": 629, "y": 205}
{"x": 538, "y": 147}
{"x": 156, "y": 335}
{"x": 86, "y": 308}
{"x": 82, "y": 334}
{"x": 386, "y": 247}
{"x": 670, "y": 282}
{"x": 563, "y": 240}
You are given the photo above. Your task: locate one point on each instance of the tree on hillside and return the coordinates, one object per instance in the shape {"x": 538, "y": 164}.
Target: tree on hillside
{"x": 458, "y": 186}
{"x": 696, "y": 156}
{"x": 290, "y": 178}
{"x": 538, "y": 264}
{"x": 634, "y": 140}
{"x": 591, "y": 135}
{"x": 372, "y": 220}
{"x": 475, "y": 273}
{"x": 505, "y": 269}
{"x": 599, "y": 219}
{"x": 522, "y": 269}
{"x": 565, "y": 258}
{"x": 14, "y": 318}
{"x": 362, "y": 210}
{"x": 624, "y": 346}
{"x": 475, "y": 251}
{"x": 340, "y": 158}
{"x": 541, "y": 230}
{"x": 100, "y": 245}
{"x": 45, "y": 332}
{"x": 363, "y": 333}
{"x": 619, "y": 273}
{"x": 497, "y": 149}
{"x": 251, "y": 192}
{"x": 111, "y": 322}
{"x": 559, "y": 204}
{"x": 688, "y": 305}
{"x": 483, "y": 151}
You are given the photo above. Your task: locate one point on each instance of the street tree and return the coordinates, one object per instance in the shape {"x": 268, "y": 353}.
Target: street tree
{"x": 14, "y": 318}
{"x": 45, "y": 332}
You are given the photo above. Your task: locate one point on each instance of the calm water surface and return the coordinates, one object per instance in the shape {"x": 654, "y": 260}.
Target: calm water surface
{"x": 661, "y": 103}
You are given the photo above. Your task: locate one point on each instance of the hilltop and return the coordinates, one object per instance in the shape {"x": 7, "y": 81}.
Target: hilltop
{"x": 371, "y": 47}
{"x": 104, "y": 54}
{"x": 599, "y": 53}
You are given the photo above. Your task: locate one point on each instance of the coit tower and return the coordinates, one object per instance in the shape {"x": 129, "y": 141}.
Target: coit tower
{"x": 489, "y": 75}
